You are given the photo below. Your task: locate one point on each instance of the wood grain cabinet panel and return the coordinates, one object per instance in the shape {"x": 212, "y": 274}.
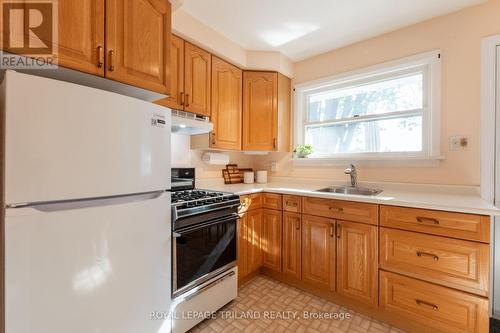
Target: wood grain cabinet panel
{"x": 260, "y": 111}
{"x": 176, "y": 98}
{"x": 454, "y": 263}
{"x": 197, "y": 71}
{"x": 318, "y": 251}
{"x": 81, "y": 35}
{"x": 137, "y": 43}
{"x": 450, "y": 224}
{"x": 439, "y": 308}
{"x": 357, "y": 261}
{"x": 272, "y": 201}
{"x": 292, "y": 203}
{"x": 272, "y": 230}
{"x": 292, "y": 244}
{"x": 226, "y": 107}
{"x": 339, "y": 209}
{"x": 254, "y": 235}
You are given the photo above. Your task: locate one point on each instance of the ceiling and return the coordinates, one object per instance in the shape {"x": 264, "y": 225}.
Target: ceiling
{"x": 301, "y": 29}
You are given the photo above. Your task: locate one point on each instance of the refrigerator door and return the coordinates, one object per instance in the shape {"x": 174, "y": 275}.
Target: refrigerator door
{"x": 103, "y": 267}
{"x": 65, "y": 142}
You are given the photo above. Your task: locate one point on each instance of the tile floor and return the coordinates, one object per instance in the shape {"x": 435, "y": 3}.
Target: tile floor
{"x": 260, "y": 299}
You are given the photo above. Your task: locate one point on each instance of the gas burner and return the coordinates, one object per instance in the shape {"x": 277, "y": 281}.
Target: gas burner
{"x": 200, "y": 195}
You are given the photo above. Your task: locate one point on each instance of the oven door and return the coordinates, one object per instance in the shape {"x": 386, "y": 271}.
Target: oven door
{"x": 203, "y": 251}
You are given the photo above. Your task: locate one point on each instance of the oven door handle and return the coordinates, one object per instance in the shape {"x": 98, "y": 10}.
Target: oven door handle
{"x": 232, "y": 217}
{"x": 209, "y": 286}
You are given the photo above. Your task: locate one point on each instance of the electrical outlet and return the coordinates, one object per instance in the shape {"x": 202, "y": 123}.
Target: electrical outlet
{"x": 459, "y": 142}
{"x": 274, "y": 166}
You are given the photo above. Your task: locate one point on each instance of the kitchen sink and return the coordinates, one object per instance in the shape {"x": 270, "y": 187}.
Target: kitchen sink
{"x": 350, "y": 190}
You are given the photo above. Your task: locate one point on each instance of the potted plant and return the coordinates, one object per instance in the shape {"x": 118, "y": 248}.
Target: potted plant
{"x": 303, "y": 151}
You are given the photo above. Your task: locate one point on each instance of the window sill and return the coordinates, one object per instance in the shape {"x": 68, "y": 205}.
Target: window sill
{"x": 388, "y": 161}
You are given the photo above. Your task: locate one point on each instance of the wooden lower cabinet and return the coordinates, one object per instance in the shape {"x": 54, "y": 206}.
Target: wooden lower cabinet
{"x": 439, "y": 308}
{"x": 318, "y": 251}
{"x": 292, "y": 244}
{"x": 271, "y": 239}
{"x": 254, "y": 236}
{"x": 357, "y": 262}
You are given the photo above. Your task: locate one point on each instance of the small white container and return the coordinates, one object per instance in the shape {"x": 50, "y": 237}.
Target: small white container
{"x": 248, "y": 177}
{"x": 261, "y": 177}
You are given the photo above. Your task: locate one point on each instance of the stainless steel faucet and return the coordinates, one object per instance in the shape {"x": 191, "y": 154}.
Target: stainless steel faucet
{"x": 351, "y": 170}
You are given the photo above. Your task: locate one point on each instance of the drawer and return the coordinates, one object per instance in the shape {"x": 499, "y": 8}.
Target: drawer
{"x": 439, "y": 308}
{"x": 250, "y": 202}
{"x": 452, "y": 262}
{"x": 456, "y": 225}
{"x": 292, "y": 203}
{"x": 342, "y": 210}
{"x": 271, "y": 201}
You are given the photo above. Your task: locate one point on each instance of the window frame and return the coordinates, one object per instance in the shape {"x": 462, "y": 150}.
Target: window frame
{"x": 429, "y": 63}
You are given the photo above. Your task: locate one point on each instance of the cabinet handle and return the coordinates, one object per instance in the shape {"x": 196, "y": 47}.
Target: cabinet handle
{"x": 214, "y": 141}
{"x": 431, "y": 220}
{"x": 427, "y": 254}
{"x": 293, "y": 204}
{"x": 338, "y": 229}
{"x": 420, "y": 302}
{"x": 298, "y": 223}
{"x": 111, "y": 60}
{"x": 182, "y": 99}
{"x": 187, "y": 100}
{"x": 331, "y": 229}
{"x": 275, "y": 143}
{"x": 338, "y": 209}
{"x": 100, "y": 56}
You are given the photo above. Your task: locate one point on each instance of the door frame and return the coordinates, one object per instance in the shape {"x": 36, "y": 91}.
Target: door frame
{"x": 488, "y": 155}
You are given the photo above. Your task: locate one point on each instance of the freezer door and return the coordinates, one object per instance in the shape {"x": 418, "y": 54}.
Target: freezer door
{"x": 103, "y": 267}
{"x": 65, "y": 141}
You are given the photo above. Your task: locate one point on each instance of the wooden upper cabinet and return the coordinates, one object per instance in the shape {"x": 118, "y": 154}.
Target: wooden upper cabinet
{"x": 318, "y": 251}
{"x": 271, "y": 239}
{"x": 260, "y": 111}
{"x": 176, "y": 98}
{"x": 292, "y": 244}
{"x": 137, "y": 43}
{"x": 197, "y": 70}
{"x": 357, "y": 262}
{"x": 81, "y": 35}
{"x": 226, "y": 105}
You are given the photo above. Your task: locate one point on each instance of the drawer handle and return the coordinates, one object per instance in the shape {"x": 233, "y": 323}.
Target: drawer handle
{"x": 427, "y": 254}
{"x": 293, "y": 204}
{"x": 420, "y": 302}
{"x": 427, "y": 220}
{"x": 338, "y": 209}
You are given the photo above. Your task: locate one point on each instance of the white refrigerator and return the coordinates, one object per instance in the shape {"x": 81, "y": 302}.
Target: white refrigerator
{"x": 87, "y": 219}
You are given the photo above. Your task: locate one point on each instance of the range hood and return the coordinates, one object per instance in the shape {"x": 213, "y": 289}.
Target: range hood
{"x": 190, "y": 123}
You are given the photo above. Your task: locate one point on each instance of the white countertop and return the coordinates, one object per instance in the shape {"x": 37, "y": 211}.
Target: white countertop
{"x": 464, "y": 199}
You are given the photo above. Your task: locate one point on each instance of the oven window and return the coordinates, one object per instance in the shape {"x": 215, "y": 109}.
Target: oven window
{"x": 204, "y": 250}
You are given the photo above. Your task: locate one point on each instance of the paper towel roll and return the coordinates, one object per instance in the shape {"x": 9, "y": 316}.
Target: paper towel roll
{"x": 215, "y": 158}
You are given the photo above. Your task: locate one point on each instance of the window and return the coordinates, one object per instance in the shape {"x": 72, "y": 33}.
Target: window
{"x": 387, "y": 111}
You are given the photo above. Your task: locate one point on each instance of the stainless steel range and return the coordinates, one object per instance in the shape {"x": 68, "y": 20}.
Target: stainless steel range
{"x": 203, "y": 248}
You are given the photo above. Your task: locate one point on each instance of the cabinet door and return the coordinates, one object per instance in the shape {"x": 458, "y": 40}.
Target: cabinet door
{"x": 271, "y": 239}
{"x": 81, "y": 35}
{"x": 357, "y": 262}
{"x": 138, "y": 42}
{"x": 318, "y": 251}
{"x": 260, "y": 111}
{"x": 176, "y": 98}
{"x": 197, "y": 67}
{"x": 292, "y": 244}
{"x": 226, "y": 105}
{"x": 254, "y": 234}
{"x": 242, "y": 246}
